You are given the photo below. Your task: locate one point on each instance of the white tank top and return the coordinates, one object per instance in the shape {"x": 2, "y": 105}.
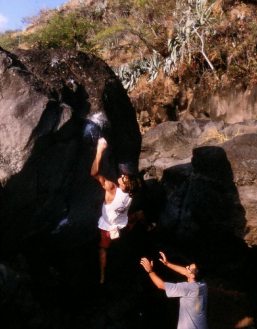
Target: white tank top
{"x": 115, "y": 214}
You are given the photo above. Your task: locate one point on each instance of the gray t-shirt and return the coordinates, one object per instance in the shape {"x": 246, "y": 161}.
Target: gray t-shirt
{"x": 193, "y": 303}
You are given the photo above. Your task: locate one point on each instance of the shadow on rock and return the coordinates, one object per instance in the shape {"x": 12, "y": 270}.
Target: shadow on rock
{"x": 50, "y": 205}
{"x": 205, "y": 220}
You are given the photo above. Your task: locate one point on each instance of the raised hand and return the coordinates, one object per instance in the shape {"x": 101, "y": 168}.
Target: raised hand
{"x": 147, "y": 265}
{"x": 163, "y": 258}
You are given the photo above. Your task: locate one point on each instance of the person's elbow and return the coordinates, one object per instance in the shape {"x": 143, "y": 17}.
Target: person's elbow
{"x": 93, "y": 172}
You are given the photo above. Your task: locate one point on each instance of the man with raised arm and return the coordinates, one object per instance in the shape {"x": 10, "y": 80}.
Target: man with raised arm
{"x": 117, "y": 200}
{"x": 192, "y": 293}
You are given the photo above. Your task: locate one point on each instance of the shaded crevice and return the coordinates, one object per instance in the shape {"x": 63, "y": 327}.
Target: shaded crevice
{"x": 76, "y": 97}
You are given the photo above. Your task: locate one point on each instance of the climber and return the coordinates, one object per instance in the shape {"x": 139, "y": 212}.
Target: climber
{"x": 118, "y": 197}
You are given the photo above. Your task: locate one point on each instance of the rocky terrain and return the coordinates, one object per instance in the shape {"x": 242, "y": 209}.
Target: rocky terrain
{"x": 197, "y": 155}
{"x": 200, "y": 187}
{"x": 134, "y": 37}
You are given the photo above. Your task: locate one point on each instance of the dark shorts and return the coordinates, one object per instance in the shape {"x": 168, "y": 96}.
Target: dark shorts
{"x": 105, "y": 239}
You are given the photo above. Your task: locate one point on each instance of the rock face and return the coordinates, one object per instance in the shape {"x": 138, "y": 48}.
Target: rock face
{"x": 22, "y": 104}
{"x": 45, "y": 98}
{"x": 231, "y": 106}
{"x": 209, "y": 172}
{"x": 91, "y": 89}
{"x": 50, "y": 204}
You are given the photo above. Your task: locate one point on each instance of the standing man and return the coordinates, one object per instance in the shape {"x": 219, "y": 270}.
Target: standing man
{"x": 192, "y": 293}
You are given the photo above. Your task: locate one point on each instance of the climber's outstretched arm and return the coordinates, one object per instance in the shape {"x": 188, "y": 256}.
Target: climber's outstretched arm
{"x": 101, "y": 146}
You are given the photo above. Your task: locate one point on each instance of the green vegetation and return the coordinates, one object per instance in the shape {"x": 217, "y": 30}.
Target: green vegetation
{"x": 143, "y": 23}
{"x": 185, "y": 39}
{"x": 191, "y": 23}
{"x": 129, "y": 74}
{"x": 64, "y": 30}
{"x": 10, "y": 40}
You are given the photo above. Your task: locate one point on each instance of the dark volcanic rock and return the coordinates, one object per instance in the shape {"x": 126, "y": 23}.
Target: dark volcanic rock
{"x": 45, "y": 98}
{"x": 92, "y": 90}
{"x": 50, "y": 204}
{"x": 23, "y": 101}
{"x": 215, "y": 190}
{"x": 208, "y": 171}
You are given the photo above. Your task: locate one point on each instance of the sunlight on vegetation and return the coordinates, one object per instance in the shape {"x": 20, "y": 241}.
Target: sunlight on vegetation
{"x": 153, "y": 36}
{"x": 191, "y": 23}
{"x": 10, "y": 40}
{"x": 68, "y": 31}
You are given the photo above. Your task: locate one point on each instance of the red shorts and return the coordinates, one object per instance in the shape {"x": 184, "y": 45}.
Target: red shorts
{"x": 105, "y": 239}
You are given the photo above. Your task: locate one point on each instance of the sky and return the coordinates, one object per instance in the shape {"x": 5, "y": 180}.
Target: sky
{"x": 13, "y": 11}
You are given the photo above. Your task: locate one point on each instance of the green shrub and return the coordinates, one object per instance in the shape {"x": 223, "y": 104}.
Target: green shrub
{"x": 69, "y": 31}
{"x": 141, "y": 22}
{"x": 10, "y": 40}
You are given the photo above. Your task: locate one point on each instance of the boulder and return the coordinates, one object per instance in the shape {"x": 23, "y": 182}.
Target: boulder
{"x": 209, "y": 172}
{"x": 47, "y": 99}
{"x": 232, "y": 104}
{"x": 53, "y": 104}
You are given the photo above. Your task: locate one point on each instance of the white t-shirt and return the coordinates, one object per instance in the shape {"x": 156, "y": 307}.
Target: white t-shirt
{"x": 115, "y": 214}
{"x": 193, "y": 303}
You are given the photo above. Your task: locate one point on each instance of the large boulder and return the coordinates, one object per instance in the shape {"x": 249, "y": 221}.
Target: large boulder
{"x": 209, "y": 172}
{"x": 47, "y": 99}
{"x": 92, "y": 90}
{"x": 232, "y": 105}
{"x": 52, "y": 103}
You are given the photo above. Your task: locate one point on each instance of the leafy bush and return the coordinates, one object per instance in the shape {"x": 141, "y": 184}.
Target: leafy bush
{"x": 191, "y": 24}
{"x": 129, "y": 74}
{"x": 141, "y": 21}
{"x": 10, "y": 40}
{"x": 69, "y": 31}
{"x": 110, "y": 36}
{"x": 192, "y": 20}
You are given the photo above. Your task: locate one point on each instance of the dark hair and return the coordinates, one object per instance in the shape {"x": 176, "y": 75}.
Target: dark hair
{"x": 198, "y": 273}
{"x": 132, "y": 184}
{"x": 129, "y": 168}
